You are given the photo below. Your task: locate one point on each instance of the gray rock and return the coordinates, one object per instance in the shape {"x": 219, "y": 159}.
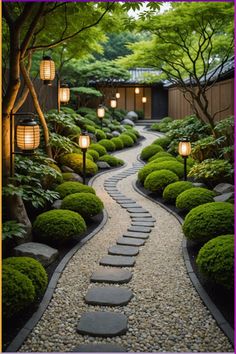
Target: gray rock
{"x": 142, "y": 223}
{"x": 139, "y": 229}
{"x": 137, "y": 209}
{"x": 115, "y": 133}
{"x": 223, "y": 188}
{"x": 75, "y": 177}
{"x": 141, "y": 215}
{"x": 128, "y": 122}
{"x": 224, "y": 197}
{"x": 99, "y": 348}
{"x": 103, "y": 165}
{"x": 57, "y": 204}
{"x": 113, "y": 275}
{"x": 123, "y": 250}
{"x": 102, "y": 324}
{"x": 143, "y": 219}
{"x": 198, "y": 184}
{"x": 42, "y": 253}
{"x": 108, "y": 296}
{"x": 130, "y": 241}
{"x": 132, "y": 115}
{"x": 66, "y": 169}
{"x": 136, "y": 235}
{"x": 118, "y": 261}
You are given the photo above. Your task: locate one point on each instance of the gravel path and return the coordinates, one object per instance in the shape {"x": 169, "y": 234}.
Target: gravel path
{"x": 165, "y": 314}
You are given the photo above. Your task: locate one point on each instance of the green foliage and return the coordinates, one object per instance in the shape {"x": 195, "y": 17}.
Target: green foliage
{"x": 100, "y": 134}
{"x": 50, "y": 181}
{"x": 132, "y": 135}
{"x": 62, "y": 123}
{"x": 87, "y": 91}
{"x": 157, "y": 181}
{"x": 216, "y": 260}
{"x": 172, "y": 191}
{"x": 190, "y": 160}
{"x": 17, "y": 291}
{"x": 107, "y": 144}
{"x": 99, "y": 148}
{"x": 90, "y": 128}
{"x": 71, "y": 187}
{"x": 86, "y": 110}
{"x": 61, "y": 145}
{"x": 225, "y": 127}
{"x": 159, "y": 154}
{"x": 208, "y": 221}
{"x": 94, "y": 154}
{"x": 67, "y": 176}
{"x": 162, "y": 159}
{"x": 12, "y": 229}
{"x": 75, "y": 161}
{"x": 32, "y": 269}
{"x": 206, "y": 148}
{"x": 193, "y": 197}
{"x": 163, "y": 141}
{"x": 86, "y": 204}
{"x": 118, "y": 143}
{"x": 146, "y": 170}
{"x": 149, "y": 151}
{"x": 112, "y": 160}
{"x": 127, "y": 140}
{"x": 56, "y": 227}
{"x": 170, "y": 165}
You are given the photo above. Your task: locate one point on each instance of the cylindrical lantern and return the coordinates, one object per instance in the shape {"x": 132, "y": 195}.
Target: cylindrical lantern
{"x": 100, "y": 111}
{"x": 184, "y": 147}
{"x": 84, "y": 141}
{"x": 27, "y": 135}
{"x": 144, "y": 99}
{"x": 113, "y": 103}
{"x": 64, "y": 94}
{"x": 47, "y": 70}
{"x": 117, "y": 94}
{"x": 136, "y": 90}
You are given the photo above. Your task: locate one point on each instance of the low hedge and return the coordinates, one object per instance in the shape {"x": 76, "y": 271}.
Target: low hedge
{"x": 208, "y": 221}
{"x": 71, "y": 187}
{"x": 145, "y": 171}
{"x": 85, "y": 204}
{"x": 216, "y": 260}
{"x": 127, "y": 140}
{"x": 111, "y": 160}
{"x": 99, "y": 148}
{"x": 163, "y": 159}
{"x": 193, "y": 197}
{"x": 107, "y": 144}
{"x": 100, "y": 134}
{"x": 149, "y": 151}
{"x": 156, "y": 181}
{"x": 56, "y": 227}
{"x": 163, "y": 141}
{"x": 94, "y": 154}
{"x": 118, "y": 143}
{"x": 171, "y": 165}
{"x": 172, "y": 191}
{"x": 132, "y": 135}
{"x": 75, "y": 161}
{"x": 160, "y": 154}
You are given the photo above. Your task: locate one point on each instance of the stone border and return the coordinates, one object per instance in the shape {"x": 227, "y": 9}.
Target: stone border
{"x": 217, "y": 315}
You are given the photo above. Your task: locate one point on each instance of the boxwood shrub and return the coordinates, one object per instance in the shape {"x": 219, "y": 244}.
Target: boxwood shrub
{"x": 127, "y": 140}
{"x": 17, "y": 291}
{"x": 172, "y": 191}
{"x": 33, "y": 269}
{"x": 216, "y": 260}
{"x": 94, "y": 154}
{"x": 171, "y": 165}
{"x": 156, "y": 181}
{"x": 193, "y": 197}
{"x": 85, "y": 204}
{"x": 99, "y": 148}
{"x": 100, "y": 134}
{"x": 146, "y": 170}
{"x": 112, "y": 160}
{"x": 208, "y": 221}
{"x": 159, "y": 154}
{"x": 71, "y": 187}
{"x": 118, "y": 143}
{"x": 163, "y": 159}
{"x": 75, "y": 161}
{"x": 149, "y": 151}
{"x": 163, "y": 141}
{"x": 56, "y": 227}
{"x": 108, "y": 144}
{"x": 132, "y": 135}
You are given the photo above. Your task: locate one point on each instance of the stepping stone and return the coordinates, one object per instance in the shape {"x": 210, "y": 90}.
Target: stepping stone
{"x": 143, "y": 219}
{"x": 112, "y": 275}
{"x": 123, "y": 250}
{"x": 102, "y": 324}
{"x": 139, "y": 229}
{"x": 118, "y": 261}
{"x": 113, "y": 189}
{"x": 142, "y": 223}
{"x": 133, "y": 205}
{"x": 141, "y": 215}
{"x": 124, "y": 201}
{"x": 130, "y": 241}
{"x": 136, "y": 235}
{"x": 108, "y": 296}
{"x": 137, "y": 210}
{"x": 99, "y": 348}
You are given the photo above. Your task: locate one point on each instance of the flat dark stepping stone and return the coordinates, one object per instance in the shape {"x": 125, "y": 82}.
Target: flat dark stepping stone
{"x": 137, "y": 210}
{"x": 129, "y": 205}
{"x": 98, "y": 348}
{"x": 141, "y": 215}
{"x": 143, "y": 219}
{"x": 136, "y": 235}
{"x": 139, "y": 229}
{"x": 102, "y": 324}
{"x": 123, "y": 250}
{"x": 142, "y": 223}
{"x": 118, "y": 276}
{"x": 118, "y": 261}
{"x": 130, "y": 241}
{"x": 125, "y": 200}
{"x": 113, "y": 189}
{"x": 108, "y": 296}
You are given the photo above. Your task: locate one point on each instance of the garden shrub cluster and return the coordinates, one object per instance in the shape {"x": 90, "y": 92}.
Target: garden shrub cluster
{"x": 193, "y": 197}
{"x": 112, "y": 160}
{"x": 149, "y": 151}
{"x": 99, "y": 148}
{"x": 172, "y": 191}
{"x": 70, "y": 187}
{"x": 75, "y": 161}
{"x": 118, "y": 143}
{"x": 156, "y": 181}
{"x": 127, "y": 140}
{"x": 107, "y": 144}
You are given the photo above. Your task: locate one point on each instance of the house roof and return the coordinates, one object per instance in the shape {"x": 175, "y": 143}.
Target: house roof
{"x": 137, "y": 75}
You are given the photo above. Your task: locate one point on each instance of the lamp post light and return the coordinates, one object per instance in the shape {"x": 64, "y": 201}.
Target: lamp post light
{"x": 144, "y": 100}
{"x": 137, "y": 90}
{"x": 84, "y": 142}
{"x": 101, "y": 113}
{"x": 47, "y": 70}
{"x": 117, "y": 94}
{"x": 184, "y": 151}
{"x": 63, "y": 94}
{"x": 113, "y": 104}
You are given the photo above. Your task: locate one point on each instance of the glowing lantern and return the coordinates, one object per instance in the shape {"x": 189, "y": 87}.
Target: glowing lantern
{"x": 47, "y": 70}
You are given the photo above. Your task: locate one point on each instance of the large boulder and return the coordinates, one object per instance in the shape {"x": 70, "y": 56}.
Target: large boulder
{"x": 132, "y": 116}
{"x": 225, "y": 197}
{"x": 42, "y": 253}
{"x": 223, "y": 188}
{"x": 127, "y": 121}
{"x": 115, "y": 133}
{"x": 103, "y": 165}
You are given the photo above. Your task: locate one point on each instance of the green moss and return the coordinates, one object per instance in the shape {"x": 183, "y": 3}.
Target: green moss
{"x": 160, "y": 154}
{"x": 156, "y": 181}
{"x": 131, "y": 134}
{"x": 118, "y": 143}
{"x": 56, "y": 227}
{"x": 99, "y": 148}
{"x": 17, "y": 291}
{"x": 90, "y": 128}
{"x": 208, "y": 221}
{"x": 94, "y": 154}
{"x": 86, "y": 204}
{"x": 149, "y": 151}
{"x": 107, "y": 144}
{"x": 100, "y": 134}
{"x": 112, "y": 160}
{"x": 216, "y": 260}
{"x": 172, "y": 191}
{"x": 75, "y": 161}
{"x": 173, "y": 166}
{"x": 127, "y": 140}
{"x": 68, "y": 187}
{"x": 162, "y": 159}
{"x": 163, "y": 141}
{"x": 32, "y": 269}
{"x": 193, "y": 197}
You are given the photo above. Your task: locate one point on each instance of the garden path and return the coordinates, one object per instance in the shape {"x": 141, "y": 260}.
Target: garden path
{"x": 165, "y": 312}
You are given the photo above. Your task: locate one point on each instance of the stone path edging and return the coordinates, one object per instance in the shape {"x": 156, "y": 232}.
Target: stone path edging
{"x": 219, "y": 318}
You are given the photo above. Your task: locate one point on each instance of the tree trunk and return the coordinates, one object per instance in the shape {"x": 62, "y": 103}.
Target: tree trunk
{"x": 18, "y": 213}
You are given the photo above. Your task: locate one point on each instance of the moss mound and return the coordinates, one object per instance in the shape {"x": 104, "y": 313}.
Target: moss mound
{"x": 112, "y": 160}
{"x": 94, "y": 154}
{"x": 163, "y": 141}
{"x": 118, "y": 143}
{"x": 85, "y": 204}
{"x": 171, "y": 165}
{"x": 156, "y": 181}
{"x": 149, "y": 151}
{"x": 216, "y": 260}
{"x": 107, "y": 144}
{"x": 146, "y": 170}
{"x": 132, "y": 135}
{"x": 172, "y": 191}
{"x": 127, "y": 140}
{"x": 208, "y": 221}
{"x": 162, "y": 159}
{"x": 99, "y": 148}
{"x": 100, "y": 134}
{"x": 159, "y": 155}
{"x": 75, "y": 161}
{"x": 193, "y": 197}
{"x": 67, "y": 188}
{"x": 56, "y": 227}
{"x": 32, "y": 269}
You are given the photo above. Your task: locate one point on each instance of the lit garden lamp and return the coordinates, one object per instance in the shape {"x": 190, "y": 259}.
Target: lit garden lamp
{"x": 144, "y": 100}
{"x": 117, "y": 95}
{"x": 137, "y": 90}
{"x": 113, "y": 104}
{"x": 84, "y": 142}
{"x": 101, "y": 113}
{"x": 63, "y": 94}
{"x": 47, "y": 70}
{"x": 184, "y": 151}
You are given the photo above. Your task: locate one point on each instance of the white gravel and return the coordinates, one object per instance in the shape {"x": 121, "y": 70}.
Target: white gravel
{"x": 166, "y": 313}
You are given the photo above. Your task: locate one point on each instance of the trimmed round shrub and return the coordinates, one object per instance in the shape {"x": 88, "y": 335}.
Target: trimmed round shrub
{"x": 216, "y": 260}
{"x": 208, "y": 221}
{"x": 170, "y": 165}
{"x": 99, "y": 148}
{"x": 149, "y": 151}
{"x": 136, "y": 132}
{"x": 163, "y": 159}
{"x": 90, "y": 129}
{"x": 118, "y": 143}
{"x": 108, "y": 144}
{"x": 100, "y": 134}
{"x": 86, "y": 204}
{"x": 163, "y": 141}
{"x": 172, "y": 191}
{"x": 89, "y": 156}
{"x": 127, "y": 140}
{"x": 58, "y": 226}
{"x": 71, "y": 187}
{"x": 75, "y": 161}
{"x": 17, "y": 291}
{"x": 94, "y": 154}
{"x": 146, "y": 170}
{"x": 156, "y": 181}
{"x": 33, "y": 269}
{"x": 160, "y": 154}
{"x": 132, "y": 135}
{"x": 111, "y": 160}
{"x": 193, "y": 197}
